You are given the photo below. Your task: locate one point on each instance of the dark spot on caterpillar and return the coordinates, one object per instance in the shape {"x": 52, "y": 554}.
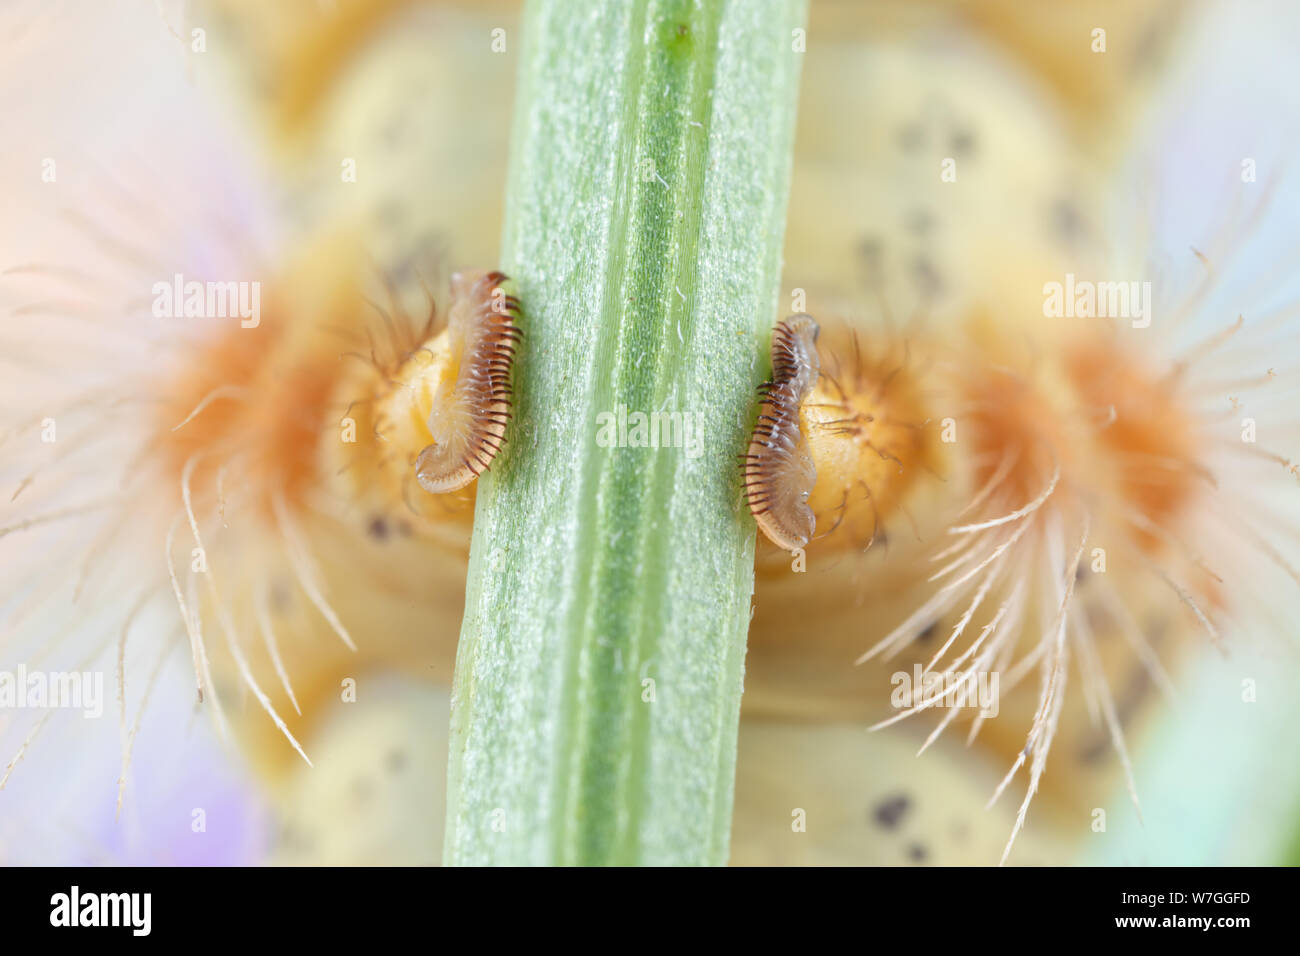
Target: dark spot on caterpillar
{"x": 920, "y": 221}
{"x": 926, "y": 276}
{"x": 911, "y": 136}
{"x": 279, "y": 597}
{"x": 928, "y": 632}
{"x": 778, "y": 469}
{"x": 1151, "y": 50}
{"x": 1101, "y": 621}
{"x": 963, "y": 142}
{"x": 396, "y": 761}
{"x": 378, "y": 528}
{"x": 917, "y": 853}
{"x": 870, "y": 251}
{"x": 1097, "y": 744}
{"x": 291, "y": 838}
{"x": 890, "y": 812}
{"x": 1067, "y": 222}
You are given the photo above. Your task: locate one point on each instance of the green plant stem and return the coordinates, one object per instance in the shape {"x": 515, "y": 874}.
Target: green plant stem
{"x": 598, "y": 679}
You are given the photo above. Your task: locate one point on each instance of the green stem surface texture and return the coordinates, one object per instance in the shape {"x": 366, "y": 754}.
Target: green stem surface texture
{"x": 598, "y": 680}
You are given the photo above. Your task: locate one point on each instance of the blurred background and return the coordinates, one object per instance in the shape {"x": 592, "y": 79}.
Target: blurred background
{"x": 360, "y": 138}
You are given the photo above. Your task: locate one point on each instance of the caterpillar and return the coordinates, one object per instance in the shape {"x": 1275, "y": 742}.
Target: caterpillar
{"x": 255, "y": 465}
